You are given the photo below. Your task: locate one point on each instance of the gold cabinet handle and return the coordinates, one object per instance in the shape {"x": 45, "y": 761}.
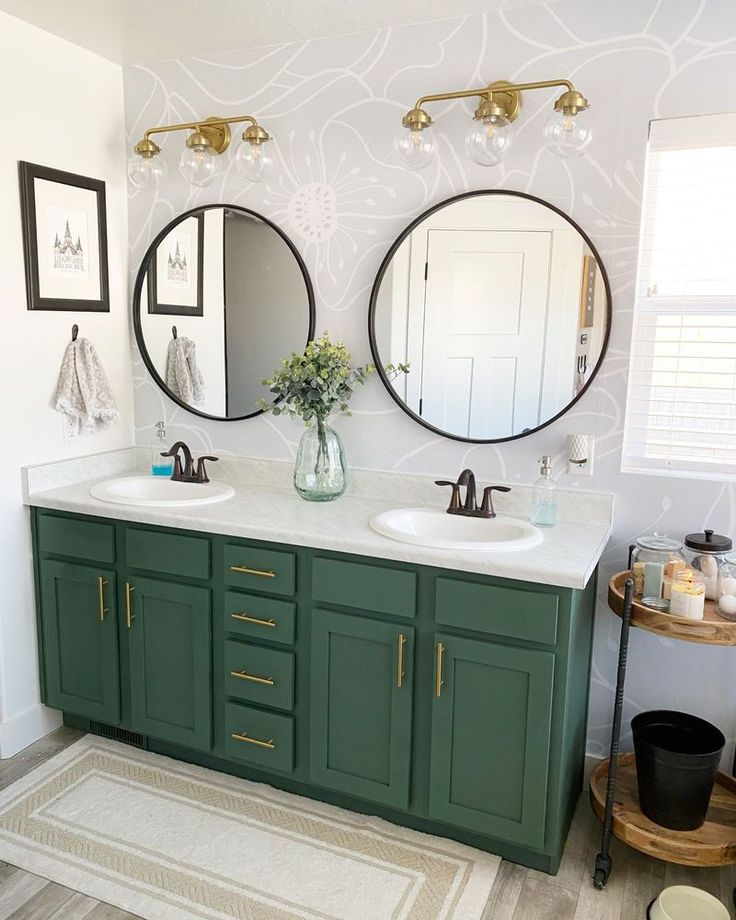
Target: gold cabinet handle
{"x": 400, "y": 661}
{"x": 248, "y": 619}
{"x": 129, "y": 615}
{"x": 438, "y": 670}
{"x": 244, "y": 570}
{"x": 101, "y": 595}
{"x": 244, "y": 675}
{"x": 242, "y": 736}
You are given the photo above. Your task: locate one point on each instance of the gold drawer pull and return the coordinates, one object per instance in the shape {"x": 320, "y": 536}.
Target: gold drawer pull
{"x": 439, "y": 682}
{"x": 400, "y": 661}
{"x": 241, "y": 736}
{"x": 101, "y": 594}
{"x": 248, "y": 619}
{"x": 244, "y": 675}
{"x": 244, "y": 570}
{"x": 129, "y": 615}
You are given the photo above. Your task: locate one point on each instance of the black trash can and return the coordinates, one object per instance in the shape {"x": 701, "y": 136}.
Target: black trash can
{"x": 677, "y": 757}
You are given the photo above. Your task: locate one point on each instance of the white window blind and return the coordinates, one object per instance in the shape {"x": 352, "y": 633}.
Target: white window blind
{"x": 681, "y": 403}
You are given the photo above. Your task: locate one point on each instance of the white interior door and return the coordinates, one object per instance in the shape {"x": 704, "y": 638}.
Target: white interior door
{"x": 485, "y": 325}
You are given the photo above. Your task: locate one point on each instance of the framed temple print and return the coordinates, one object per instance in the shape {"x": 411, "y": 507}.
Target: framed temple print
{"x": 64, "y": 240}
{"x": 176, "y": 273}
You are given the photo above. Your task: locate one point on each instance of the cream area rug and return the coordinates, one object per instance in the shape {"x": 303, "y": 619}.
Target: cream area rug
{"x": 166, "y": 841}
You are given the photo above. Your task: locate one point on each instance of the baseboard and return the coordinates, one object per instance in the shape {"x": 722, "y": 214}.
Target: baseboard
{"x": 25, "y": 728}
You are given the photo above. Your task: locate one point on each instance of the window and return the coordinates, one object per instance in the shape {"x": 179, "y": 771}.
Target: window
{"x": 681, "y": 402}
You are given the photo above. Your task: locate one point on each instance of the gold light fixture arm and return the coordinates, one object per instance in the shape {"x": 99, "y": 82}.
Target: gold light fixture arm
{"x": 498, "y": 98}
{"x": 216, "y": 130}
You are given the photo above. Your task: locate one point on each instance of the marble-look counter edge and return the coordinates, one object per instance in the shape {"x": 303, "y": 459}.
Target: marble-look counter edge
{"x": 567, "y": 557}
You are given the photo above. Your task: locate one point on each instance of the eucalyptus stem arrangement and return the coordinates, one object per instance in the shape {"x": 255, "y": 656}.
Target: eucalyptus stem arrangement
{"x": 311, "y": 386}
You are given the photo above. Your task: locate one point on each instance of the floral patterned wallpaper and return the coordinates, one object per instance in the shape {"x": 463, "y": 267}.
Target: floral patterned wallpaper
{"x": 333, "y": 106}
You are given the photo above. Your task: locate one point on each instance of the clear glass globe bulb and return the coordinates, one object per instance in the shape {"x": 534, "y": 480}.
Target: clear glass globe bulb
{"x": 146, "y": 172}
{"x": 198, "y": 165}
{"x": 569, "y": 135}
{"x": 415, "y": 149}
{"x": 254, "y": 161}
{"x": 488, "y": 139}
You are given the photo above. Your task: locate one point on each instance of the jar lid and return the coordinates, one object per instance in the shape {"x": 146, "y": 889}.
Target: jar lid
{"x": 660, "y": 542}
{"x": 709, "y": 542}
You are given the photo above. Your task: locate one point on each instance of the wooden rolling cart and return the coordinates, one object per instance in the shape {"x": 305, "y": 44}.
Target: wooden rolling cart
{"x": 613, "y": 786}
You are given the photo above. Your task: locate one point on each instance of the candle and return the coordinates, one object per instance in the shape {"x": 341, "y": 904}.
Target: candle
{"x": 688, "y": 595}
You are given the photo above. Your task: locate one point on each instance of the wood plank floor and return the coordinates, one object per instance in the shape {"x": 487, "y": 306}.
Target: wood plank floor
{"x": 518, "y": 893}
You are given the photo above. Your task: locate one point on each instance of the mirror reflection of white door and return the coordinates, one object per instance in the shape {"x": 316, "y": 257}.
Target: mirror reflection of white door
{"x": 485, "y": 325}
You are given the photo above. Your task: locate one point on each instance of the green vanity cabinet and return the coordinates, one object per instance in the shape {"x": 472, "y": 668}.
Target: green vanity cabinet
{"x": 450, "y": 702}
{"x": 170, "y": 638}
{"x": 361, "y": 706}
{"x": 491, "y": 722}
{"x": 80, "y": 642}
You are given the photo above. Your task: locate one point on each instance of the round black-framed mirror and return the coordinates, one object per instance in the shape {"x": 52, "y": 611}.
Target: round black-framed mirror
{"x": 221, "y": 297}
{"x": 501, "y": 305}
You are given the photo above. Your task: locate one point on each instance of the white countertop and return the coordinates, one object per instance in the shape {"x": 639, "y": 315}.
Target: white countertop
{"x": 266, "y": 508}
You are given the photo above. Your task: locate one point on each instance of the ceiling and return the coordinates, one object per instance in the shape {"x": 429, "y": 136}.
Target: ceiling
{"x": 134, "y": 31}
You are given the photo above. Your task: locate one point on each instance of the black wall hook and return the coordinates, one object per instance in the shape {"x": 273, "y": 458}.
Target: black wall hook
{"x": 173, "y": 331}
{"x": 75, "y": 332}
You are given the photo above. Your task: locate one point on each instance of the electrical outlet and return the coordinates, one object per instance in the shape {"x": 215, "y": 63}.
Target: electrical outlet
{"x": 69, "y": 428}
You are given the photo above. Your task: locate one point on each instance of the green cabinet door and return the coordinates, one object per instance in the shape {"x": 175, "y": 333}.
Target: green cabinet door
{"x": 169, "y": 637}
{"x": 80, "y": 639}
{"x": 361, "y": 706}
{"x": 490, "y": 738}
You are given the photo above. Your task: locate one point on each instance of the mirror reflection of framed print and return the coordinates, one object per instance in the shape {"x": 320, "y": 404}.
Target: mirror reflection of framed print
{"x": 64, "y": 240}
{"x": 176, "y": 274}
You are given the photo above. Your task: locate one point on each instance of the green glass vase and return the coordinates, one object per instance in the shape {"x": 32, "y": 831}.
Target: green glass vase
{"x": 320, "y": 473}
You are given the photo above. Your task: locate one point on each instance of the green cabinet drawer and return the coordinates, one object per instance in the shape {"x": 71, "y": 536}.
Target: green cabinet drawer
{"x": 259, "y": 675}
{"x": 265, "y": 739}
{"x": 364, "y": 586}
{"x": 512, "y": 612}
{"x": 267, "y": 570}
{"x": 63, "y": 536}
{"x": 167, "y": 553}
{"x": 257, "y": 617}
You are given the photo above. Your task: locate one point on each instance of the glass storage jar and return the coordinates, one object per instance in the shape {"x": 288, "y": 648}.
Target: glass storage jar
{"x": 706, "y": 552}
{"x": 726, "y": 588}
{"x": 655, "y": 561}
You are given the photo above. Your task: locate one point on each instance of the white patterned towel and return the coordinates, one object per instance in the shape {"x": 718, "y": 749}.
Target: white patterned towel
{"x": 83, "y": 391}
{"x": 183, "y": 376}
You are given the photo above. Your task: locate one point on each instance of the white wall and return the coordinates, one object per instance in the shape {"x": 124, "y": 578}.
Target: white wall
{"x": 333, "y": 106}
{"x": 62, "y": 107}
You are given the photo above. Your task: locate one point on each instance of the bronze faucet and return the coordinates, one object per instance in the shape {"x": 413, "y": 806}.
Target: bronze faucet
{"x": 186, "y": 472}
{"x": 470, "y": 507}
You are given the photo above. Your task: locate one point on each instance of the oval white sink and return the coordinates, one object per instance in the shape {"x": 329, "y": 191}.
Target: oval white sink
{"x": 160, "y": 492}
{"x": 429, "y": 527}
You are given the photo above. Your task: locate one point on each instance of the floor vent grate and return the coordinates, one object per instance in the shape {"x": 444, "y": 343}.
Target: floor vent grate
{"x": 118, "y": 734}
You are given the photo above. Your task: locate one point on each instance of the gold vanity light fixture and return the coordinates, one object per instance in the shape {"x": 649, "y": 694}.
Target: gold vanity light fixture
{"x": 567, "y": 131}
{"x": 199, "y": 162}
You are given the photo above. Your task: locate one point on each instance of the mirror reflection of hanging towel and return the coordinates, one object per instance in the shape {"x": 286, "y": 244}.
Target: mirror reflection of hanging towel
{"x": 83, "y": 392}
{"x": 183, "y": 376}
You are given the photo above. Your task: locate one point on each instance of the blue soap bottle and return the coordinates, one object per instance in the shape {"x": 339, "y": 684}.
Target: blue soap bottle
{"x": 160, "y": 466}
{"x": 544, "y": 496}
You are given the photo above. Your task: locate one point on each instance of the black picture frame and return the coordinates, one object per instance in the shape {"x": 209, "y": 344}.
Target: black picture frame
{"x": 28, "y": 173}
{"x": 379, "y": 362}
{"x": 169, "y": 309}
{"x": 141, "y": 280}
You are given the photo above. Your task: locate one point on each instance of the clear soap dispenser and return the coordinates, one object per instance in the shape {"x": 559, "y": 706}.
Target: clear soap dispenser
{"x": 544, "y": 495}
{"x": 160, "y": 466}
